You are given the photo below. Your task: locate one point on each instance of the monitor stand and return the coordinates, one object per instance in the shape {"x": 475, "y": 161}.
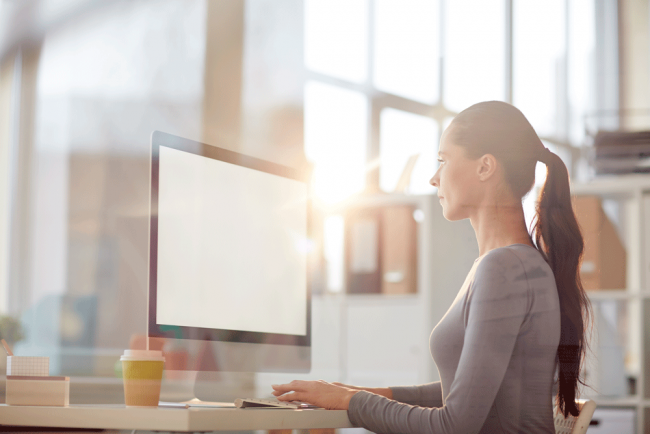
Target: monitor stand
{"x": 207, "y": 386}
{"x": 206, "y": 389}
{"x": 179, "y": 384}
{"x": 178, "y": 391}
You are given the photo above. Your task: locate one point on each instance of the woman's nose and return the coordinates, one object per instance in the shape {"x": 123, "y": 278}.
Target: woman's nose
{"x": 434, "y": 181}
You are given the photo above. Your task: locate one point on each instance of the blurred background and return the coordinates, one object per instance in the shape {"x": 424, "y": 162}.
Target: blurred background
{"x": 359, "y": 92}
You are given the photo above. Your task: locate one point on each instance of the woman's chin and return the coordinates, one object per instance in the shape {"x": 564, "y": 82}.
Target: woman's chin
{"x": 450, "y": 215}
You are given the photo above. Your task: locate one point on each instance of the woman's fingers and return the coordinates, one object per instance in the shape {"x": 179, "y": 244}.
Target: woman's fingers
{"x": 294, "y": 386}
{"x": 284, "y": 387}
{"x": 320, "y": 393}
{"x": 296, "y": 396}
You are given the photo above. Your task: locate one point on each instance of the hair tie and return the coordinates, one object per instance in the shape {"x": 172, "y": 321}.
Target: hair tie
{"x": 544, "y": 155}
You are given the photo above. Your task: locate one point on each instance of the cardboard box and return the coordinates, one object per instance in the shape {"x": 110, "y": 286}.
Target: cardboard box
{"x": 52, "y": 391}
{"x": 604, "y": 261}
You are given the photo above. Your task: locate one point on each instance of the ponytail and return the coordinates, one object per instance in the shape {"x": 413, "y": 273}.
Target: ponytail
{"x": 557, "y": 235}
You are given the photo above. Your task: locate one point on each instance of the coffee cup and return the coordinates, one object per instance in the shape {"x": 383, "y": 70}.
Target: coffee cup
{"x": 142, "y": 373}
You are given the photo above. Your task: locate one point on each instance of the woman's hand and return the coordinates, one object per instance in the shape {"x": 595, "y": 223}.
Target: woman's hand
{"x": 320, "y": 393}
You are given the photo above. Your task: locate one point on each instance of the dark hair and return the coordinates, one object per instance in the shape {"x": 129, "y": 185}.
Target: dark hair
{"x": 500, "y": 129}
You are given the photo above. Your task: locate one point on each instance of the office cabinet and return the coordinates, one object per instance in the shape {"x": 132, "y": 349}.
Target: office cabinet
{"x": 385, "y": 332}
{"x": 618, "y": 368}
{"x": 386, "y": 343}
{"x": 613, "y": 421}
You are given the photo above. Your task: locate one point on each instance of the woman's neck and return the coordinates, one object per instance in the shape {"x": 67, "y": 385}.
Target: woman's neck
{"x": 499, "y": 225}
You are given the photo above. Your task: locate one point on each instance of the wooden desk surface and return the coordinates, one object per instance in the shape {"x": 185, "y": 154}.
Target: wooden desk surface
{"x": 171, "y": 419}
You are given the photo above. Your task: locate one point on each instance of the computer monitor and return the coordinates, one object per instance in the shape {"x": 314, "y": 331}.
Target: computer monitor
{"x": 228, "y": 262}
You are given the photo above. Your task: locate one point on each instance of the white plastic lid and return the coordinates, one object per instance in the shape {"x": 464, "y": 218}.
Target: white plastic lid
{"x": 155, "y": 356}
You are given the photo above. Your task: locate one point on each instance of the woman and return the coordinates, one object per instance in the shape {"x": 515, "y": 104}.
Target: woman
{"x": 521, "y": 312}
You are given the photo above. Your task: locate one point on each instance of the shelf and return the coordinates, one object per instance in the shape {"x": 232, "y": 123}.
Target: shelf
{"x": 365, "y": 296}
{"x": 381, "y": 296}
{"x": 613, "y": 185}
{"x": 627, "y": 401}
{"x": 630, "y": 401}
{"x": 376, "y": 199}
{"x": 614, "y": 294}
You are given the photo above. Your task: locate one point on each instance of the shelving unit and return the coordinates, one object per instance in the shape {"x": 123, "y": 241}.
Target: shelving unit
{"x": 445, "y": 251}
{"x": 632, "y": 194}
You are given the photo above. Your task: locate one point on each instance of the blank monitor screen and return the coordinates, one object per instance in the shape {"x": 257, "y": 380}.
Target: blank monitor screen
{"x": 231, "y": 246}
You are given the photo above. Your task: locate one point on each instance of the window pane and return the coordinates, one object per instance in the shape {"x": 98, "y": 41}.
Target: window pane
{"x": 538, "y": 56}
{"x": 404, "y": 135}
{"x": 336, "y": 38}
{"x": 407, "y": 49}
{"x": 336, "y": 139}
{"x": 581, "y": 54}
{"x": 474, "y": 52}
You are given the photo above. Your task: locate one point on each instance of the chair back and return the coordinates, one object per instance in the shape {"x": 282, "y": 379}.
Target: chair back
{"x": 573, "y": 424}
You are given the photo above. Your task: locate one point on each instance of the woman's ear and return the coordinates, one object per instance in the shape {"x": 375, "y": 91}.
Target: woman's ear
{"x": 487, "y": 167}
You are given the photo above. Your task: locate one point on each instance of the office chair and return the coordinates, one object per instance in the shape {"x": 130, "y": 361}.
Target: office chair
{"x": 572, "y": 424}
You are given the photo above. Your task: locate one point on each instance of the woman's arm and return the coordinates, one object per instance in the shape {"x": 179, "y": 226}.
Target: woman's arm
{"x": 337, "y": 396}
{"x": 382, "y": 391}
{"x": 423, "y": 395}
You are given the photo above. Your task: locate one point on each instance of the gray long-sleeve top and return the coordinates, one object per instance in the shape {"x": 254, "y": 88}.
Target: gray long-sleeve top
{"x": 495, "y": 350}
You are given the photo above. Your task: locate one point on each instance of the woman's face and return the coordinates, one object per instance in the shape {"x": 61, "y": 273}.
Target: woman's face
{"x": 457, "y": 179}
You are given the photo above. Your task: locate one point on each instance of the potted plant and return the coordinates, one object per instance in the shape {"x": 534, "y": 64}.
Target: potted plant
{"x": 11, "y": 331}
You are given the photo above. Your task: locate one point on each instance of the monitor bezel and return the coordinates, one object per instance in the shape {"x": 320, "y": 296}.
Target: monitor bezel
{"x": 158, "y": 139}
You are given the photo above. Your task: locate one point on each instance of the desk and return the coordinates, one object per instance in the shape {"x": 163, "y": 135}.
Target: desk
{"x": 171, "y": 419}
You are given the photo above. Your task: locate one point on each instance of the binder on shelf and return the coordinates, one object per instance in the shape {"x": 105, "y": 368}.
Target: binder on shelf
{"x": 362, "y": 253}
{"x": 381, "y": 250}
{"x": 399, "y": 251}
{"x": 604, "y": 259}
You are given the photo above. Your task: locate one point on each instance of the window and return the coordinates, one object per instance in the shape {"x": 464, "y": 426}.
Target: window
{"x": 581, "y": 64}
{"x": 539, "y": 51}
{"x": 336, "y": 38}
{"x": 474, "y": 52}
{"x": 406, "y": 49}
{"x": 408, "y": 143}
{"x": 432, "y": 59}
{"x": 335, "y": 138}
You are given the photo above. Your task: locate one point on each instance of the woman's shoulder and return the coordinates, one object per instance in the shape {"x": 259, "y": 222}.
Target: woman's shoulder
{"x": 515, "y": 256}
{"x": 511, "y": 266}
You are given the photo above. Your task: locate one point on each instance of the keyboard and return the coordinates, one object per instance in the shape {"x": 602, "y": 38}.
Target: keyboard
{"x": 271, "y": 403}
